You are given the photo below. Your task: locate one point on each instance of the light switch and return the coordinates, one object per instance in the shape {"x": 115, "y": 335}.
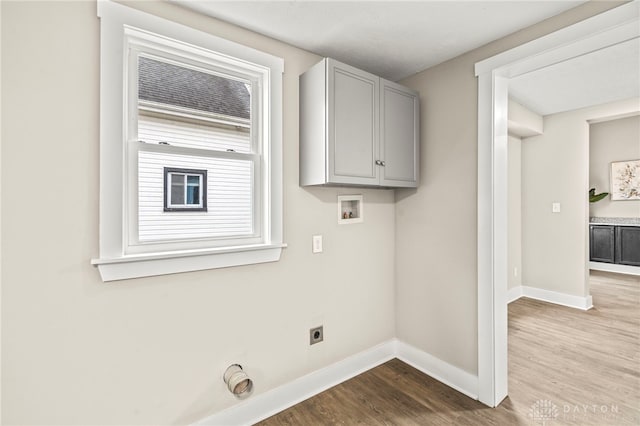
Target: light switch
{"x": 317, "y": 244}
{"x": 555, "y": 208}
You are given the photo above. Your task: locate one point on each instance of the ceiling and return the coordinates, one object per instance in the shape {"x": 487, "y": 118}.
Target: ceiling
{"x": 395, "y": 39}
{"x": 599, "y": 77}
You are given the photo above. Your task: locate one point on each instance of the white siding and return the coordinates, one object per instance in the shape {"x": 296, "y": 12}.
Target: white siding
{"x": 191, "y": 135}
{"x": 229, "y": 194}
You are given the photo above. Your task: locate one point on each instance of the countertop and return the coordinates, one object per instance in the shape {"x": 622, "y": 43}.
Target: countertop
{"x": 625, "y": 221}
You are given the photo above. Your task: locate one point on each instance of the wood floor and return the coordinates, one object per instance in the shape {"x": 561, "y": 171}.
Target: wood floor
{"x": 566, "y": 367}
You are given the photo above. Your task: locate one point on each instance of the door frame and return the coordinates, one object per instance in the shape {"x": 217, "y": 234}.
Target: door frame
{"x": 601, "y": 31}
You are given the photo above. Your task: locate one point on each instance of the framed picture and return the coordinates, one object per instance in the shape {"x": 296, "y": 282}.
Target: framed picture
{"x": 625, "y": 180}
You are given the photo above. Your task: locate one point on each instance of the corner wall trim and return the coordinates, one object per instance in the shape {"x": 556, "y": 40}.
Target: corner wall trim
{"x": 569, "y": 300}
{"x": 264, "y": 405}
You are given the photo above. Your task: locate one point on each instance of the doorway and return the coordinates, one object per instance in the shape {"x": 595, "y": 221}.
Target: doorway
{"x": 599, "y": 32}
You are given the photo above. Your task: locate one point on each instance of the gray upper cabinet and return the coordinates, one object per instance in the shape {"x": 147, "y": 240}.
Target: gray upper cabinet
{"x": 353, "y": 136}
{"x": 356, "y": 129}
{"x": 399, "y": 134}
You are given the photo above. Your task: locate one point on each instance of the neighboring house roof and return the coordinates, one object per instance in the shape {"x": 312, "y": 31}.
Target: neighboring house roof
{"x": 183, "y": 87}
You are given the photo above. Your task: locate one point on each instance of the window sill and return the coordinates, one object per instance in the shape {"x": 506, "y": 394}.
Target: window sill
{"x": 148, "y": 265}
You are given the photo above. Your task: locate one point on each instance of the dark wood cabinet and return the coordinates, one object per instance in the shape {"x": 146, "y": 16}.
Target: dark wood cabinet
{"x": 628, "y": 245}
{"x": 615, "y": 244}
{"x": 602, "y": 243}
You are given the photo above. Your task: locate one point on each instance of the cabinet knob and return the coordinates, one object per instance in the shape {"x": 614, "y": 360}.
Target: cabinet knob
{"x": 382, "y": 163}
{"x": 378, "y": 163}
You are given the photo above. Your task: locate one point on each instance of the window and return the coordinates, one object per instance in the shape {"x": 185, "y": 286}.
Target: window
{"x": 190, "y": 152}
{"x": 193, "y": 114}
{"x": 185, "y": 190}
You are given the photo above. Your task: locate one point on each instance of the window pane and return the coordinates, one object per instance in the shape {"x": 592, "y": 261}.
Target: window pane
{"x": 229, "y": 198}
{"x": 175, "y": 85}
{"x": 193, "y": 192}
{"x": 184, "y": 107}
{"x": 177, "y": 189}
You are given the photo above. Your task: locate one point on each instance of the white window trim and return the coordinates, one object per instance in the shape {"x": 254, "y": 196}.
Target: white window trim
{"x": 114, "y": 263}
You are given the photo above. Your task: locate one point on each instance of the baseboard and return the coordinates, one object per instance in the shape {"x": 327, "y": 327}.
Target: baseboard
{"x": 577, "y": 302}
{"x": 614, "y": 267}
{"x": 514, "y": 293}
{"x": 260, "y": 407}
{"x": 452, "y": 376}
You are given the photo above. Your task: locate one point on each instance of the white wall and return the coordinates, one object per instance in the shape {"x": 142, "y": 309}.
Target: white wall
{"x": 555, "y": 168}
{"x": 153, "y": 350}
{"x": 613, "y": 140}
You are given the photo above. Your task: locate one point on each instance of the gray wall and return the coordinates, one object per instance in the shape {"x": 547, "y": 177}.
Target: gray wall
{"x": 514, "y": 197}
{"x": 152, "y": 351}
{"x": 555, "y": 168}
{"x": 436, "y": 226}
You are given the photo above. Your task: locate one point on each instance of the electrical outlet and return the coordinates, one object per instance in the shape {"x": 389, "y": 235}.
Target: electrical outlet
{"x": 316, "y": 335}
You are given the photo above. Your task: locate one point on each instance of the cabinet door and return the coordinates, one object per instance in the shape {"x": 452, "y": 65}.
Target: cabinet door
{"x": 399, "y": 135}
{"x": 601, "y": 243}
{"x": 353, "y": 99}
{"x": 628, "y": 245}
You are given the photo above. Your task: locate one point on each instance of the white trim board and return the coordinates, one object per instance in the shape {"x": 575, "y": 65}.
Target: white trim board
{"x": 262, "y": 406}
{"x": 569, "y": 300}
{"x": 612, "y": 267}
